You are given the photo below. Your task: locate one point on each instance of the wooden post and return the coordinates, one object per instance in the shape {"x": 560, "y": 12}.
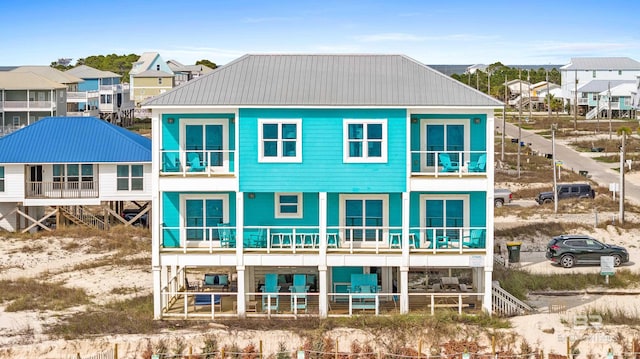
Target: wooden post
{"x": 493, "y": 346}
{"x": 419, "y": 348}
{"x": 115, "y": 351}
{"x": 190, "y": 351}
{"x": 568, "y": 349}
{"x": 222, "y": 353}
{"x": 260, "y": 348}
{"x": 336, "y": 349}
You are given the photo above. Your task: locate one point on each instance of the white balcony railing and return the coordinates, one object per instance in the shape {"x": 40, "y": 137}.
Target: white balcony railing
{"x": 26, "y": 105}
{"x": 447, "y": 163}
{"x": 197, "y": 162}
{"x": 85, "y": 189}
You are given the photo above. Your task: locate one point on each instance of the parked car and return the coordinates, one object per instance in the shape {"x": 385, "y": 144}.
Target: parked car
{"x": 130, "y": 213}
{"x": 571, "y": 249}
{"x": 501, "y": 196}
{"x": 567, "y": 190}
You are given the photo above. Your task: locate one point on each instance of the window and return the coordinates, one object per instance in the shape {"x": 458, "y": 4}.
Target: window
{"x": 72, "y": 176}
{"x": 202, "y": 214}
{"x": 365, "y": 141}
{"x": 157, "y": 67}
{"x": 593, "y": 74}
{"x": 364, "y": 217}
{"x": 105, "y": 98}
{"x": 280, "y": 140}
{"x": 288, "y": 205}
{"x": 619, "y": 72}
{"x": 1, "y": 179}
{"x": 443, "y": 136}
{"x": 130, "y": 177}
{"x": 159, "y": 80}
{"x": 207, "y": 140}
{"x": 444, "y": 215}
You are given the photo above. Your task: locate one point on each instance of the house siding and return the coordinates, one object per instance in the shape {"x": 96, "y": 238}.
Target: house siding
{"x": 108, "y": 181}
{"x": 13, "y": 183}
{"x": 322, "y": 154}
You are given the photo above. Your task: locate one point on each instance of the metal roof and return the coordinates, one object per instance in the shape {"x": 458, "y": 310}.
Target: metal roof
{"x": 74, "y": 140}
{"x": 50, "y": 73}
{"x": 622, "y": 90}
{"x": 324, "y": 80}
{"x": 88, "y": 72}
{"x": 602, "y": 63}
{"x": 144, "y": 62}
{"x": 153, "y": 73}
{"x": 601, "y": 85}
{"x": 27, "y": 81}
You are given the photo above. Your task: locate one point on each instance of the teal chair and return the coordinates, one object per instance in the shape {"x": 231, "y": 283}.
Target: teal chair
{"x": 475, "y": 239}
{"x": 226, "y": 235}
{"x": 447, "y": 164}
{"x": 299, "y": 291}
{"x": 480, "y": 166}
{"x": 170, "y": 162}
{"x": 270, "y": 289}
{"x": 195, "y": 164}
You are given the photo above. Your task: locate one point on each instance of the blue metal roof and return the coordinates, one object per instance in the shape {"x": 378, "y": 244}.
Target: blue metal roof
{"x": 74, "y": 140}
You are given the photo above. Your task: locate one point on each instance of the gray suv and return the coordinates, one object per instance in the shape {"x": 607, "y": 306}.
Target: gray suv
{"x": 567, "y": 190}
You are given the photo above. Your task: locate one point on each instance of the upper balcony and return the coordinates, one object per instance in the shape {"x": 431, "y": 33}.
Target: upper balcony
{"x": 198, "y": 162}
{"x": 28, "y": 105}
{"x": 57, "y": 190}
{"x": 449, "y": 163}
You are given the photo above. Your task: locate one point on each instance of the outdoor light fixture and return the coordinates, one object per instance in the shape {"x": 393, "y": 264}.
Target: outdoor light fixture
{"x": 414, "y": 120}
{"x": 477, "y": 120}
{"x": 251, "y": 195}
{"x": 170, "y": 120}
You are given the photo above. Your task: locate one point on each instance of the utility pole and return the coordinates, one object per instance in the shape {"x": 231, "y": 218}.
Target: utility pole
{"x": 575, "y": 102}
{"x": 548, "y": 96}
{"x": 621, "y": 197}
{"x": 609, "y": 110}
{"x": 519, "y": 120}
{"x": 597, "y": 113}
{"x": 529, "y": 91}
{"x": 504, "y": 117}
{"x": 553, "y": 158}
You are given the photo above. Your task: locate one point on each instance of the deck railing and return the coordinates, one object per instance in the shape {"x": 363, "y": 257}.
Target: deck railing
{"x": 352, "y": 239}
{"x": 197, "y": 162}
{"x": 462, "y": 163}
{"x": 85, "y": 189}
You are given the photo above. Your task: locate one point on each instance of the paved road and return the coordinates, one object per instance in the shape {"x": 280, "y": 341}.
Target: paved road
{"x": 599, "y": 172}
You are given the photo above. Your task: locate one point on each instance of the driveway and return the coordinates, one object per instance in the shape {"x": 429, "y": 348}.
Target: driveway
{"x": 600, "y": 173}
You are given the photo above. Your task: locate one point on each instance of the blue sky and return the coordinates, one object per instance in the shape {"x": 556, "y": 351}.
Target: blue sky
{"x": 444, "y": 32}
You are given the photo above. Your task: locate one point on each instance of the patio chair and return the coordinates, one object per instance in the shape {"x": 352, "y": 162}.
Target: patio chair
{"x": 270, "y": 289}
{"x": 475, "y": 239}
{"x": 256, "y": 239}
{"x": 226, "y": 235}
{"x": 195, "y": 163}
{"x": 447, "y": 164}
{"x": 205, "y": 299}
{"x": 480, "y": 166}
{"x": 189, "y": 286}
{"x": 299, "y": 291}
{"x": 170, "y": 162}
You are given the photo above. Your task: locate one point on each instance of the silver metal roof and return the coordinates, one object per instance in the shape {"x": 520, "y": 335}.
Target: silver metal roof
{"x": 324, "y": 80}
{"x": 88, "y": 72}
{"x": 50, "y": 73}
{"x": 601, "y": 85}
{"x": 27, "y": 81}
{"x": 602, "y": 63}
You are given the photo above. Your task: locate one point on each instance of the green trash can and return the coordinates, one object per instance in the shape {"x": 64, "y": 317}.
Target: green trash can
{"x": 514, "y": 251}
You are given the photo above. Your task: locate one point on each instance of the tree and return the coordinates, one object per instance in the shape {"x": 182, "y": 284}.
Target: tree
{"x": 554, "y": 103}
{"x": 207, "y": 63}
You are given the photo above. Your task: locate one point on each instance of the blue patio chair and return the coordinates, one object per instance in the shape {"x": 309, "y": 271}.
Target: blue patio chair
{"x": 270, "y": 289}
{"x": 226, "y": 235}
{"x": 480, "y": 166}
{"x": 170, "y": 162}
{"x": 447, "y": 164}
{"x": 195, "y": 163}
{"x": 206, "y": 299}
{"x": 475, "y": 239}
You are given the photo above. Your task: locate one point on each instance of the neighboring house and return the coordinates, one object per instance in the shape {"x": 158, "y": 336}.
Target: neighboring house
{"x": 519, "y": 91}
{"x": 26, "y": 97}
{"x": 101, "y": 94}
{"x": 539, "y": 93}
{"x": 149, "y": 77}
{"x": 366, "y": 179}
{"x": 617, "y": 98}
{"x": 636, "y": 97}
{"x": 58, "y": 166}
{"x": 473, "y": 68}
{"x": 184, "y": 73}
{"x": 584, "y": 77}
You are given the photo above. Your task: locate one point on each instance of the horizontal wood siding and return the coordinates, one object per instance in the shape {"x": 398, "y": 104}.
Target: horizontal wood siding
{"x": 322, "y": 168}
{"x": 14, "y": 181}
{"x": 260, "y": 211}
{"x": 107, "y": 179}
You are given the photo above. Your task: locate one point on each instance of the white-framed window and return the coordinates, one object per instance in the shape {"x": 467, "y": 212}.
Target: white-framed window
{"x": 450, "y": 136}
{"x": 288, "y": 205}
{"x": 364, "y": 218}
{"x": 72, "y": 176}
{"x": 280, "y": 140}
{"x": 365, "y": 141}
{"x": 130, "y": 177}
{"x": 1, "y": 178}
{"x": 444, "y": 215}
{"x": 202, "y": 213}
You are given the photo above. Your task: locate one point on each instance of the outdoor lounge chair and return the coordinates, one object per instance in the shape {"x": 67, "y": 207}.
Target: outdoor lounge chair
{"x": 195, "y": 164}
{"x": 480, "y": 166}
{"x": 170, "y": 162}
{"x": 205, "y": 299}
{"x": 447, "y": 164}
{"x": 475, "y": 239}
{"x": 270, "y": 289}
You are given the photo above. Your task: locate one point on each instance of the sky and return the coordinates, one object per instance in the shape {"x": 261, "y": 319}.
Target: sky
{"x": 512, "y": 32}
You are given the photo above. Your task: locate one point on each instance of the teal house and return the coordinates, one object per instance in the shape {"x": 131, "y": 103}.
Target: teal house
{"x": 322, "y": 185}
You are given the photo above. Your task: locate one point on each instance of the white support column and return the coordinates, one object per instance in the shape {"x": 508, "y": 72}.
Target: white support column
{"x": 157, "y": 295}
{"x": 156, "y": 205}
{"x": 489, "y": 210}
{"x": 404, "y": 267}
{"x": 241, "y": 299}
{"x": 486, "y": 301}
{"x": 323, "y": 284}
{"x": 240, "y": 268}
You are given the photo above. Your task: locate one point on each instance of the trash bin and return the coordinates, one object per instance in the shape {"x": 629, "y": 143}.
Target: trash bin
{"x": 514, "y": 251}
{"x": 584, "y": 173}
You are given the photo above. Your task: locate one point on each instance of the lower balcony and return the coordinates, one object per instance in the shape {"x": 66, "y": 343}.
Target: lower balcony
{"x": 197, "y": 162}
{"x": 223, "y": 239}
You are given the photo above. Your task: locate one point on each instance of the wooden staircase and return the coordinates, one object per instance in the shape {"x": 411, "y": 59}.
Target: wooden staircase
{"x": 80, "y": 216}
{"x": 505, "y": 304}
